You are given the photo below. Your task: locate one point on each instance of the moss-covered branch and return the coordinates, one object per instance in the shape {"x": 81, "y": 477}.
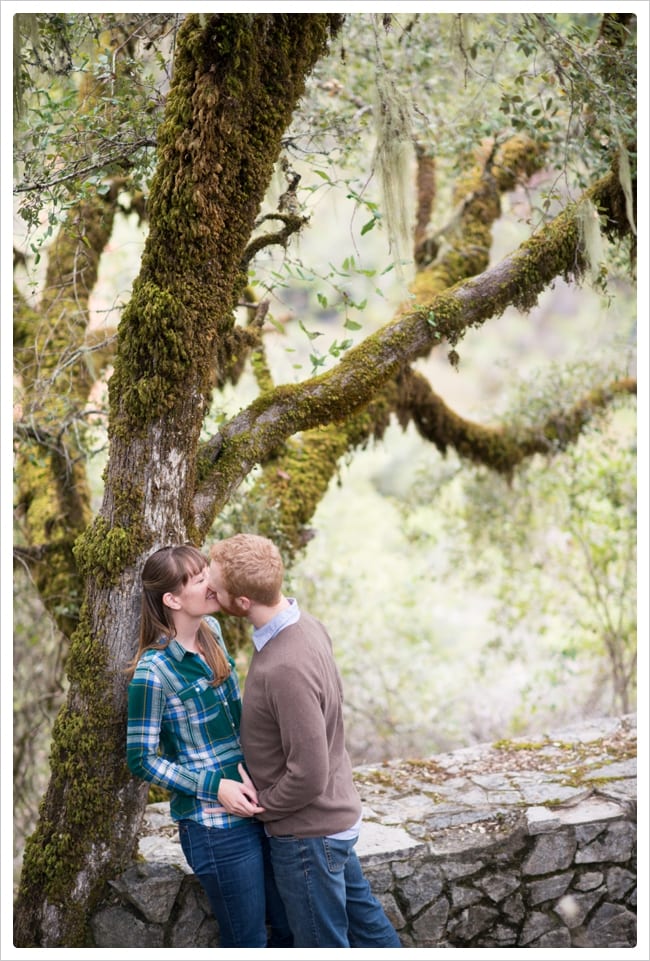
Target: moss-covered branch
{"x": 236, "y": 82}
{"x": 294, "y": 480}
{"x": 501, "y": 449}
{"x": 258, "y": 433}
{"x": 292, "y": 224}
{"x": 296, "y": 477}
{"x": 461, "y": 248}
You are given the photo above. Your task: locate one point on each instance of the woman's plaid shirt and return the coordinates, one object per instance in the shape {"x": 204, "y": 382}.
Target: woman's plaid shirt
{"x": 183, "y": 734}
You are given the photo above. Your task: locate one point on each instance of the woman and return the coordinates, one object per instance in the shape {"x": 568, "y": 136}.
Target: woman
{"x": 183, "y": 734}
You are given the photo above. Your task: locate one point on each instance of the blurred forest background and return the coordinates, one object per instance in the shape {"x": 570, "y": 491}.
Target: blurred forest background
{"x": 464, "y": 606}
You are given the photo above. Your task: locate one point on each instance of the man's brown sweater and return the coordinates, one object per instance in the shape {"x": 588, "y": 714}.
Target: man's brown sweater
{"x": 292, "y": 734}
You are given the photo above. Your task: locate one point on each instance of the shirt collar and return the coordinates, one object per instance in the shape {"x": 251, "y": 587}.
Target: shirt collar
{"x": 262, "y": 635}
{"x": 176, "y": 649}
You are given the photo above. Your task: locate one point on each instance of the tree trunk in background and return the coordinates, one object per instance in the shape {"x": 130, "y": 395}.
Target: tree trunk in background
{"x": 236, "y": 83}
{"x": 237, "y": 80}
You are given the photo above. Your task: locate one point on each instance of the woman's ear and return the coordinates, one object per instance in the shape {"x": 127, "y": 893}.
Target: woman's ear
{"x": 169, "y": 600}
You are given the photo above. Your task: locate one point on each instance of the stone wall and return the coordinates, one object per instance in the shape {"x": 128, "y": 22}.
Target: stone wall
{"x": 528, "y": 843}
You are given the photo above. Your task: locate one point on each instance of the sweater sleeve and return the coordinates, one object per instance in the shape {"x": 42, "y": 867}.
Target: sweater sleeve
{"x": 294, "y": 699}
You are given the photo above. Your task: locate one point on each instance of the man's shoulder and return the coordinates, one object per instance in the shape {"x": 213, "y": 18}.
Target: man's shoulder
{"x": 306, "y": 627}
{"x": 296, "y": 647}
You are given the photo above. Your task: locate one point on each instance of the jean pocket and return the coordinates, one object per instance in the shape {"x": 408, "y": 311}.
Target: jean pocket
{"x": 185, "y": 838}
{"x": 183, "y": 827}
{"x": 337, "y": 853}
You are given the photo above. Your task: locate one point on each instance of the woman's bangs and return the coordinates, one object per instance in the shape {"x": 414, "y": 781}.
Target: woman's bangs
{"x": 193, "y": 563}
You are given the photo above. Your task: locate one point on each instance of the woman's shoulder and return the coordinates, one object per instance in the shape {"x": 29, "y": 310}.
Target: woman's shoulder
{"x": 152, "y": 661}
{"x": 214, "y": 626}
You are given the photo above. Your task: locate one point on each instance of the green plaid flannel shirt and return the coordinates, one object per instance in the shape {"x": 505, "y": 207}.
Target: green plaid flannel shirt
{"x": 183, "y": 734}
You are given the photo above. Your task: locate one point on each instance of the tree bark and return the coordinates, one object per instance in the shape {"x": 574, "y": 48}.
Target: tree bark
{"x": 237, "y": 79}
{"x": 236, "y": 83}
{"x": 255, "y": 434}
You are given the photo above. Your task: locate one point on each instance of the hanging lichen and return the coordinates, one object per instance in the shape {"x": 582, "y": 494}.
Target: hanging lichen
{"x": 625, "y": 178}
{"x": 591, "y": 239}
{"x": 393, "y": 163}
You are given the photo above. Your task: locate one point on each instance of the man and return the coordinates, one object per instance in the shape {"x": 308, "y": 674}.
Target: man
{"x": 293, "y": 741}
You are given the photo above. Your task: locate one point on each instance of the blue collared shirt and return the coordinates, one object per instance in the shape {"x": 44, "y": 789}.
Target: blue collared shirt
{"x": 262, "y": 635}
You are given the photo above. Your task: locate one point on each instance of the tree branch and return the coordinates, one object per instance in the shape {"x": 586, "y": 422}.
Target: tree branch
{"x": 76, "y": 170}
{"x": 292, "y": 224}
{"x": 254, "y": 434}
{"x": 500, "y": 449}
{"x": 294, "y": 479}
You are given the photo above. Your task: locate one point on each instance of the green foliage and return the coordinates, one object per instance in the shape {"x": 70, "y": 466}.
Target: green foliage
{"x": 556, "y": 546}
{"x": 324, "y": 295}
{"x": 460, "y": 78}
{"x": 63, "y": 153}
{"x": 468, "y": 76}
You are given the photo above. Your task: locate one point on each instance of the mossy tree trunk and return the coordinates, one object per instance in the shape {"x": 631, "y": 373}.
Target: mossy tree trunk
{"x": 236, "y": 83}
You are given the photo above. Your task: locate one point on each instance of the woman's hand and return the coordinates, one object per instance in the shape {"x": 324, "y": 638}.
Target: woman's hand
{"x": 237, "y": 797}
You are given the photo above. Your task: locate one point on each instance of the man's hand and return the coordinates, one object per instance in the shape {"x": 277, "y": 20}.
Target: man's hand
{"x": 237, "y": 797}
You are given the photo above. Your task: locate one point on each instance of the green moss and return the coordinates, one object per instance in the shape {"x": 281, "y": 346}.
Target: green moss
{"x": 507, "y": 745}
{"x": 375, "y": 776}
{"x": 576, "y": 754}
{"x": 236, "y": 81}
{"x": 467, "y": 240}
{"x": 53, "y": 498}
{"x": 104, "y": 552}
{"x": 84, "y": 734}
{"x": 580, "y": 778}
{"x": 219, "y": 140}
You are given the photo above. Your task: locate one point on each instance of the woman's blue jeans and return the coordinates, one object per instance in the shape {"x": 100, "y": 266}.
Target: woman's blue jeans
{"x": 234, "y": 869}
{"x": 326, "y": 895}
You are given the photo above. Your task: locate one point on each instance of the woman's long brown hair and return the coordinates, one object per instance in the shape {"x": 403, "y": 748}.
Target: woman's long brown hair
{"x": 168, "y": 570}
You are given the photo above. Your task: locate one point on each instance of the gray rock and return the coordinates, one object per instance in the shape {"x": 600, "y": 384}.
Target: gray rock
{"x": 430, "y": 927}
{"x": 588, "y": 881}
{"x": 499, "y": 886}
{"x": 422, "y": 887}
{"x": 151, "y": 888}
{"x": 612, "y": 927}
{"x": 195, "y": 925}
{"x": 115, "y": 927}
{"x": 551, "y": 853}
{"x": 616, "y": 843}
{"x": 473, "y": 921}
{"x": 619, "y": 882}
{"x": 549, "y": 888}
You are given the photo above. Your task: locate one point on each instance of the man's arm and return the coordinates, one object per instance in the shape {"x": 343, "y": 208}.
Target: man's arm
{"x": 296, "y": 705}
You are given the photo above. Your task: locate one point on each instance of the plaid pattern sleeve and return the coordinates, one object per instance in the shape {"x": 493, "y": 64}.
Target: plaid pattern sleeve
{"x": 182, "y": 733}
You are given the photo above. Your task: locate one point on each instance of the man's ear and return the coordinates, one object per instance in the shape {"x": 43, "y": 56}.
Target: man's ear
{"x": 169, "y": 600}
{"x": 244, "y": 603}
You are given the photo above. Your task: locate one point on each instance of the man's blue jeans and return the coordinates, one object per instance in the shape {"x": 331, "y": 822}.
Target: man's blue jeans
{"x": 234, "y": 868}
{"x": 326, "y": 895}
